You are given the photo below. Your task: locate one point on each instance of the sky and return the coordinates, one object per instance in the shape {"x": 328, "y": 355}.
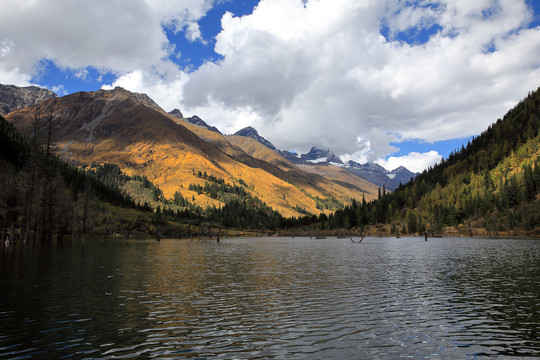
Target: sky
{"x": 389, "y": 81}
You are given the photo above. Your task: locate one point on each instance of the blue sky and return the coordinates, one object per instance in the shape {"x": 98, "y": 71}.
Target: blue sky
{"x": 195, "y": 53}
{"x": 396, "y": 82}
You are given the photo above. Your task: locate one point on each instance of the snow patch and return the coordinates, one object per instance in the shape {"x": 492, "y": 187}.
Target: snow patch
{"x": 316, "y": 161}
{"x": 391, "y": 176}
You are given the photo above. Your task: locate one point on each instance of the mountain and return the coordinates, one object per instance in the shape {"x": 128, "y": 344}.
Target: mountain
{"x": 252, "y": 133}
{"x": 15, "y": 98}
{"x": 490, "y": 187}
{"x": 371, "y": 172}
{"x": 314, "y": 156}
{"x": 291, "y": 156}
{"x": 131, "y": 131}
{"x": 341, "y": 184}
{"x": 317, "y": 155}
{"x": 121, "y": 93}
{"x": 402, "y": 175}
{"x": 195, "y": 120}
{"x": 378, "y": 175}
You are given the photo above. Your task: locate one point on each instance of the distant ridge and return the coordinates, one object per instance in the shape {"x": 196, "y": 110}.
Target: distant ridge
{"x": 371, "y": 172}
{"x": 195, "y": 120}
{"x": 252, "y": 133}
{"x": 378, "y": 175}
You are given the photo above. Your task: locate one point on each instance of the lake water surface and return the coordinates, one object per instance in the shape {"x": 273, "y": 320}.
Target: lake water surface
{"x": 272, "y": 298}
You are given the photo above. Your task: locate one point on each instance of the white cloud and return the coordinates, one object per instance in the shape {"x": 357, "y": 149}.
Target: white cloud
{"x": 182, "y": 15}
{"x": 414, "y": 161}
{"x": 376, "y": 145}
{"x": 121, "y": 36}
{"x": 304, "y": 73}
{"x": 14, "y": 77}
{"x": 59, "y": 90}
{"x": 324, "y": 75}
{"x": 165, "y": 89}
{"x": 117, "y": 35}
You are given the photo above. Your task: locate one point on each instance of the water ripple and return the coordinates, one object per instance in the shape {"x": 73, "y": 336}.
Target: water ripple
{"x": 272, "y": 298}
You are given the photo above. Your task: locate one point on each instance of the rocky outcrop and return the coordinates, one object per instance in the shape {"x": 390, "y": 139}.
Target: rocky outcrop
{"x": 195, "y": 120}
{"x": 252, "y": 133}
{"x": 14, "y": 98}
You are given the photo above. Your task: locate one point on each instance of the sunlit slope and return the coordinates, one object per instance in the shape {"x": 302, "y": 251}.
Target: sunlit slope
{"x": 343, "y": 181}
{"x": 103, "y": 127}
{"x": 491, "y": 185}
{"x": 328, "y": 179}
{"x": 261, "y": 152}
{"x": 343, "y": 188}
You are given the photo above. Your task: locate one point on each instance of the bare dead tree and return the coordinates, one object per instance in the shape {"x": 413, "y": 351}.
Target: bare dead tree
{"x": 47, "y": 198}
{"x": 128, "y": 225}
{"x": 31, "y": 179}
{"x": 83, "y": 213}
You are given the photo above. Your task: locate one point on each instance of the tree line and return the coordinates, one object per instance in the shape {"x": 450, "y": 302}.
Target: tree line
{"x": 42, "y": 195}
{"x": 492, "y": 183}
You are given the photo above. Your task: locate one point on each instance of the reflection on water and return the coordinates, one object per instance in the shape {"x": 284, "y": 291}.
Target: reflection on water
{"x": 272, "y": 298}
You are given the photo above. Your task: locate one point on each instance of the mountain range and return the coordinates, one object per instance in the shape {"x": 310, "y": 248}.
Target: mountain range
{"x": 132, "y": 131}
{"x": 318, "y": 157}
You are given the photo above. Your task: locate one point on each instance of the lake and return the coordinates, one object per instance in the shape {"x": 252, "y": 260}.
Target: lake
{"x": 249, "y": 298}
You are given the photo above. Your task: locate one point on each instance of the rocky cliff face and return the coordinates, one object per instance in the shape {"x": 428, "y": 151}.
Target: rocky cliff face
{"x": 120, "y": 92}
{"x": 252, "y": 133}
{"x": 195, "y": 120}
{"x": 318, "y": 155}
{"x": 15, "y": 98}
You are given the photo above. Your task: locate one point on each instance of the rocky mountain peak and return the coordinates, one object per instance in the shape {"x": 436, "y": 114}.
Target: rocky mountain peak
{"x": 138, "y": 97}
{"x": 400, "y": 169}
{"x": 176, "y": 113}
{"x": 366, "y": 167}
{"x": 378, "y": 175}
{"x": 252, "y": 133}
{"x": 14, "y": 98}
{"x": 195, "y": 120}
{"x": 318, "y": 155}
{"x": 402, "y": 174}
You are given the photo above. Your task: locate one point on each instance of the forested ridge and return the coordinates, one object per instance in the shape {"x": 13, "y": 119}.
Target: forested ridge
{"x": 489, "y": 186}
{"x": 42, "y": 195}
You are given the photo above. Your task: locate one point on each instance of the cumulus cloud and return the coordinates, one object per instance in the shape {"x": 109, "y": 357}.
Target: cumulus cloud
{"x": 323, "y": 70}
{"x": 120, "y": 36}
{"x": 376, "y": 145}
{"x": 116, "y": 36}
{"x": 414, "y": 161}
{"x": 165, "y": 88}
{"x": 349, "y": 75}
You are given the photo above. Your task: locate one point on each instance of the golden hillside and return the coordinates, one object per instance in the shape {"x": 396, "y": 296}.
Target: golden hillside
{"x": 318, "y": 180}
{"x": 113, "y": 126}
{"x": 330, "y": 178}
